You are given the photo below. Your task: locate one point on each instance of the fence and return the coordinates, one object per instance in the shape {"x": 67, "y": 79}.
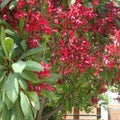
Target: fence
{"x": 95, "y": 114}
{"x": 114, "y": 112}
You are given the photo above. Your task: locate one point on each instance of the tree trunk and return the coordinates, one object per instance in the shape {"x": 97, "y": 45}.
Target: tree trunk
{"x": 46, "y": 117}
{"x": 43, "y": 102}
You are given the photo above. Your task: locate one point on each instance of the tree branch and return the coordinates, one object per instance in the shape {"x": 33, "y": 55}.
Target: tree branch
{"x": 46, "y": 117}
{"x": 43, "y": 102}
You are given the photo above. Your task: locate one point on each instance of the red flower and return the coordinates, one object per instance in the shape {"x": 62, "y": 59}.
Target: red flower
{"x": 94, "y": 100}
{"x": 50, "y": 88}
{"x": 43, "y": 86}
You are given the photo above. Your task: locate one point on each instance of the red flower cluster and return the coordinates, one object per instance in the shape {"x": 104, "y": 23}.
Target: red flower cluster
{"x": 81, "y": 37}
{"x": 46, "y": 71}
{"x": 39, "y": 87}
{"x": 35, "y": 24}
{"x": 94, "y": 100}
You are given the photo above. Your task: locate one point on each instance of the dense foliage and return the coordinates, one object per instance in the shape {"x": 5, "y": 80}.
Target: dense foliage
{"x": 56, "y": 54}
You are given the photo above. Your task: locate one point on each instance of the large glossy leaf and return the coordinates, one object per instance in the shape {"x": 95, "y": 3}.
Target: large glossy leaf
{"x": 1, "y": 102}
{"x": 13, "y": 4}
{"x": 4, "y": 3}
{"x": 12, "y": 51}
{"x": 9, "y": 46}
{"x": 25, "y": 104}
{"x": 6, "y": 114}
{"x": 16, "y": 113}
{"x": 34, "y": 99}
{"x": 6, "y": 100}
{"x": 33, "y": 66}
{"x": 22, "y": 83}
{"x": 12, "y": 88}
{"x": 35, "y": 111}
{"x": 19, "y": 66}
{"x": 30, "y": 76}
{"x": 2, "y": 39}
{"x": 31, "y": 52}
{"x": 2, "y": 76}
{"x": 7, "y": 43}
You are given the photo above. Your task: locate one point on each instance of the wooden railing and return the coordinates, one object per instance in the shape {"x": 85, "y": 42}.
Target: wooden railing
{"x": 95, "y": 114}
{"x": 114, "y": 112}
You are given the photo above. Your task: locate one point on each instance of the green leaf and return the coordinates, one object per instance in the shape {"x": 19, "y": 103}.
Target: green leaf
{"x": 68, "y": 106}
{"x": 53, "y": 78}
{"x": 84, "y": 85}
{"x": 12, "y": 50}
{"x": 9, "y": 32}
{"x": 30, "y": 76}
{"x": 31, "y": 115}
{"x": 12, "y": 88}
{"x": 13, "y": 4}
{"x": 110, "y": 76}
{"x": 6, "y": 114}
{"x": 3, "y": 35}
{"x": 104, "y": 75}
{"x": 34, "y": 99}
{"x": 1, "y": 102}
{"x": 19, "y": 66}
{"x": 118, "y": 22}
{"x": 7, "y": 101}
{"x": 4, "y": 3}
{"x": 16, "y": 113}
{"x": 22, "y": 23}
{"x": 2, "y": 67}
{"x": 22, "y": 83}
{"x": 49, "y": 94}
{"x": 2, "y": 59}
{"x": 2, "y": 76}
{"x": 33, "y": 66}
{"x": 9, "y": 45}
{"x": 31, "y": 52}
{"x": 65, "y": 3}
{"x": 35, "y": 111}
{"x": 5, "y": 24}
{"x": 25, "y": 104}
{"x": 23, "y": 44}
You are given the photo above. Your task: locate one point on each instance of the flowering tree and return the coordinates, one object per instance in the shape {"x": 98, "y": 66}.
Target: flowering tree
{"x": 62, "y": 53}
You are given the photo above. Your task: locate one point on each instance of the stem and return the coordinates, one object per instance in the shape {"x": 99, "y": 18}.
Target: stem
{"x": 46, "y": 117}
{"x": 43, "y": 102}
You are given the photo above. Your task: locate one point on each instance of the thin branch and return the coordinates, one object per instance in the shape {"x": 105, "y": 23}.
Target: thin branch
{"x": 43, "y": 102}
{"x": 46, "y": 117}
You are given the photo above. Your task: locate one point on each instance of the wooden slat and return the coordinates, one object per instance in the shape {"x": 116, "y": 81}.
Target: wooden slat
{"x": 114, "y": 112}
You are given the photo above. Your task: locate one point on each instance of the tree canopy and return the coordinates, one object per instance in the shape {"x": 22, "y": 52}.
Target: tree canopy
{"x": 56, "y": 54}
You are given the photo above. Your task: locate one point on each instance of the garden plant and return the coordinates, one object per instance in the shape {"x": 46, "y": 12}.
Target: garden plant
{"x": 56, "y": 54}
